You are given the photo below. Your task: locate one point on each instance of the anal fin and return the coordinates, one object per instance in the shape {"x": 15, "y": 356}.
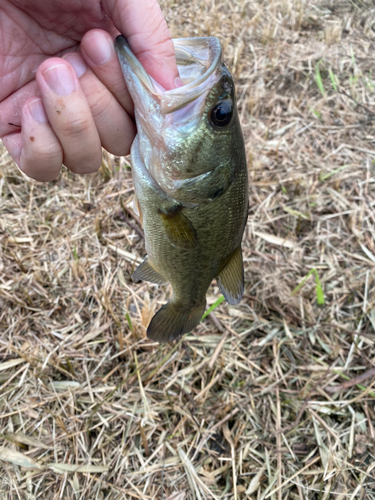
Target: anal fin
{"x": 179, "y": 230}
{"x": 145, "y": 272}
{"x": 231, "y": 279}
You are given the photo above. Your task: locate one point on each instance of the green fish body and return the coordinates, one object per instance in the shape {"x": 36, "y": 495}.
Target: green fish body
{"x": 190, "y": 180}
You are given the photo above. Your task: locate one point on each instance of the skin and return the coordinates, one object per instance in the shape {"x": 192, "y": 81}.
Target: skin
{"x": 62, "y": 93}
{"x": 220, "y": 199}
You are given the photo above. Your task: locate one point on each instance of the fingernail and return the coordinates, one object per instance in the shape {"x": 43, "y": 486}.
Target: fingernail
{"x": 37, "y": 111}
{"x": 77, "y": 62}
{"x": 60, "y": 79}
{"x": 99, "y": 49}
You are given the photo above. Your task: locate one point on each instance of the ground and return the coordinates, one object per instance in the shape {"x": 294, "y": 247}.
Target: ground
{"x": 273, "y": 398}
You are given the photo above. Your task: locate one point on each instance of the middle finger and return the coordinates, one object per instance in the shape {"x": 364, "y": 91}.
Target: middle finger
{"x": 69, "y": 115}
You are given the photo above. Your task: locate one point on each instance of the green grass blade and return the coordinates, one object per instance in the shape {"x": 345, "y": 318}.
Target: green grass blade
{"x": 319, "y": 289}
{"x": 324, "y": 177}
{"x": 214, "y": 306}
{"x": 127, "y": 316}
{"x": 318, "y": 286}
{"x": 316, "y": 113}
{"x": 333, "y": 79}
{"x": 318, "y": 79}
{"x": 75, "y": 253}
{"x": 360, "y": 386}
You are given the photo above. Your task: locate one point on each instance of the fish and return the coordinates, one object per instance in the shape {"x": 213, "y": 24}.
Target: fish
{"x": 190, "y": 180}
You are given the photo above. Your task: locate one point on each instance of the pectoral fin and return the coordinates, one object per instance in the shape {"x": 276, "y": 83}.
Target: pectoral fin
{"x": 179, "y": 229}
{"x": 145, "y": 272}
{"x": 231, "y": 279}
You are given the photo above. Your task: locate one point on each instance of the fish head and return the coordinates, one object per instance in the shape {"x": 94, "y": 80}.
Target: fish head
{"x": 186, "y": 133}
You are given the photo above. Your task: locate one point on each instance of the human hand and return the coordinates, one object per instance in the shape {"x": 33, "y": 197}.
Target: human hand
{"x": 62, "y": 93}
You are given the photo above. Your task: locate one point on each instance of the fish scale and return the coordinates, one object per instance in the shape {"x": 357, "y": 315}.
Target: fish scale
{"x": 190, "y": 180}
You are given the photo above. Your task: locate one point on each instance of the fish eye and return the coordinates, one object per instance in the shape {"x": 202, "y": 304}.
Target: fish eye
{"x": 221, "y": 114}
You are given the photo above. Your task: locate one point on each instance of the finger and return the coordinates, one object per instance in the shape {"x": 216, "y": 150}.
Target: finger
{"x": 41, "y": 155}
{"x": 115, "y": 127}
{"x": 13, "y": 144}
{"x": 69, "y": 115}
{"x": 143, "y": 24}
{"x": 98, "y": 50}
{"x": 36, "y": 150}
{"x": 10, "y": 108}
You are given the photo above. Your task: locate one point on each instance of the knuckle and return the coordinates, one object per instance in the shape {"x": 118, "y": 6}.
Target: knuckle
{"x": 51, "y": 151}
{"x": 100, "y": 103}
{"x": 163, "y": 48}
{"x": 76, "y": 127}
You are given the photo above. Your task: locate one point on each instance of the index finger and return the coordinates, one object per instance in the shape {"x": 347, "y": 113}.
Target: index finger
{"x": 143, "y": 24}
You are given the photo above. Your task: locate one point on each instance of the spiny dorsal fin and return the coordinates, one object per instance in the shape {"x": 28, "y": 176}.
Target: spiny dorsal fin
{"x": 145, "y": 272}
{"x": 172, "y": 321}
{"x": 231, "y": 279}
{"x": 179, "y": 229}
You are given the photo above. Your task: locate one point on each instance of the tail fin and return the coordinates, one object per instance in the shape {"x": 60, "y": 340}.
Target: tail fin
{"x": 172, "y": 321}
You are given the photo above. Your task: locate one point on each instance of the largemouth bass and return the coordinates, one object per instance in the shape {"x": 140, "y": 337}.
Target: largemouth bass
{"x": 190, "y": 180}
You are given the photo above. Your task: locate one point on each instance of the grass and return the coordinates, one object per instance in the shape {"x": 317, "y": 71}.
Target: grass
{"x": 273, "y": 398}
{"x": 214, "y": 306}
{"x": 318, "y": 291}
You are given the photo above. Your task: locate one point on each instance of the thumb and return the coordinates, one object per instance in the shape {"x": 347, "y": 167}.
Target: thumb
{"x": 143, "y": 24}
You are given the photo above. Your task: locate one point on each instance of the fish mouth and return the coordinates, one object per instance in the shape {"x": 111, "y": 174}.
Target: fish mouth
{"x": 198, "y": 60}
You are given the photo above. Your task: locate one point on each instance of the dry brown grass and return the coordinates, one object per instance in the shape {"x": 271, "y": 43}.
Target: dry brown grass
{"x": 270, "y": 399}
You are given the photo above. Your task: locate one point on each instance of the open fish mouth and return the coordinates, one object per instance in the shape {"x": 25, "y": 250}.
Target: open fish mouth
{"x": 183, "y": 144}
{"x": 198, "y": 63}
{"x": 166, "y": 119}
